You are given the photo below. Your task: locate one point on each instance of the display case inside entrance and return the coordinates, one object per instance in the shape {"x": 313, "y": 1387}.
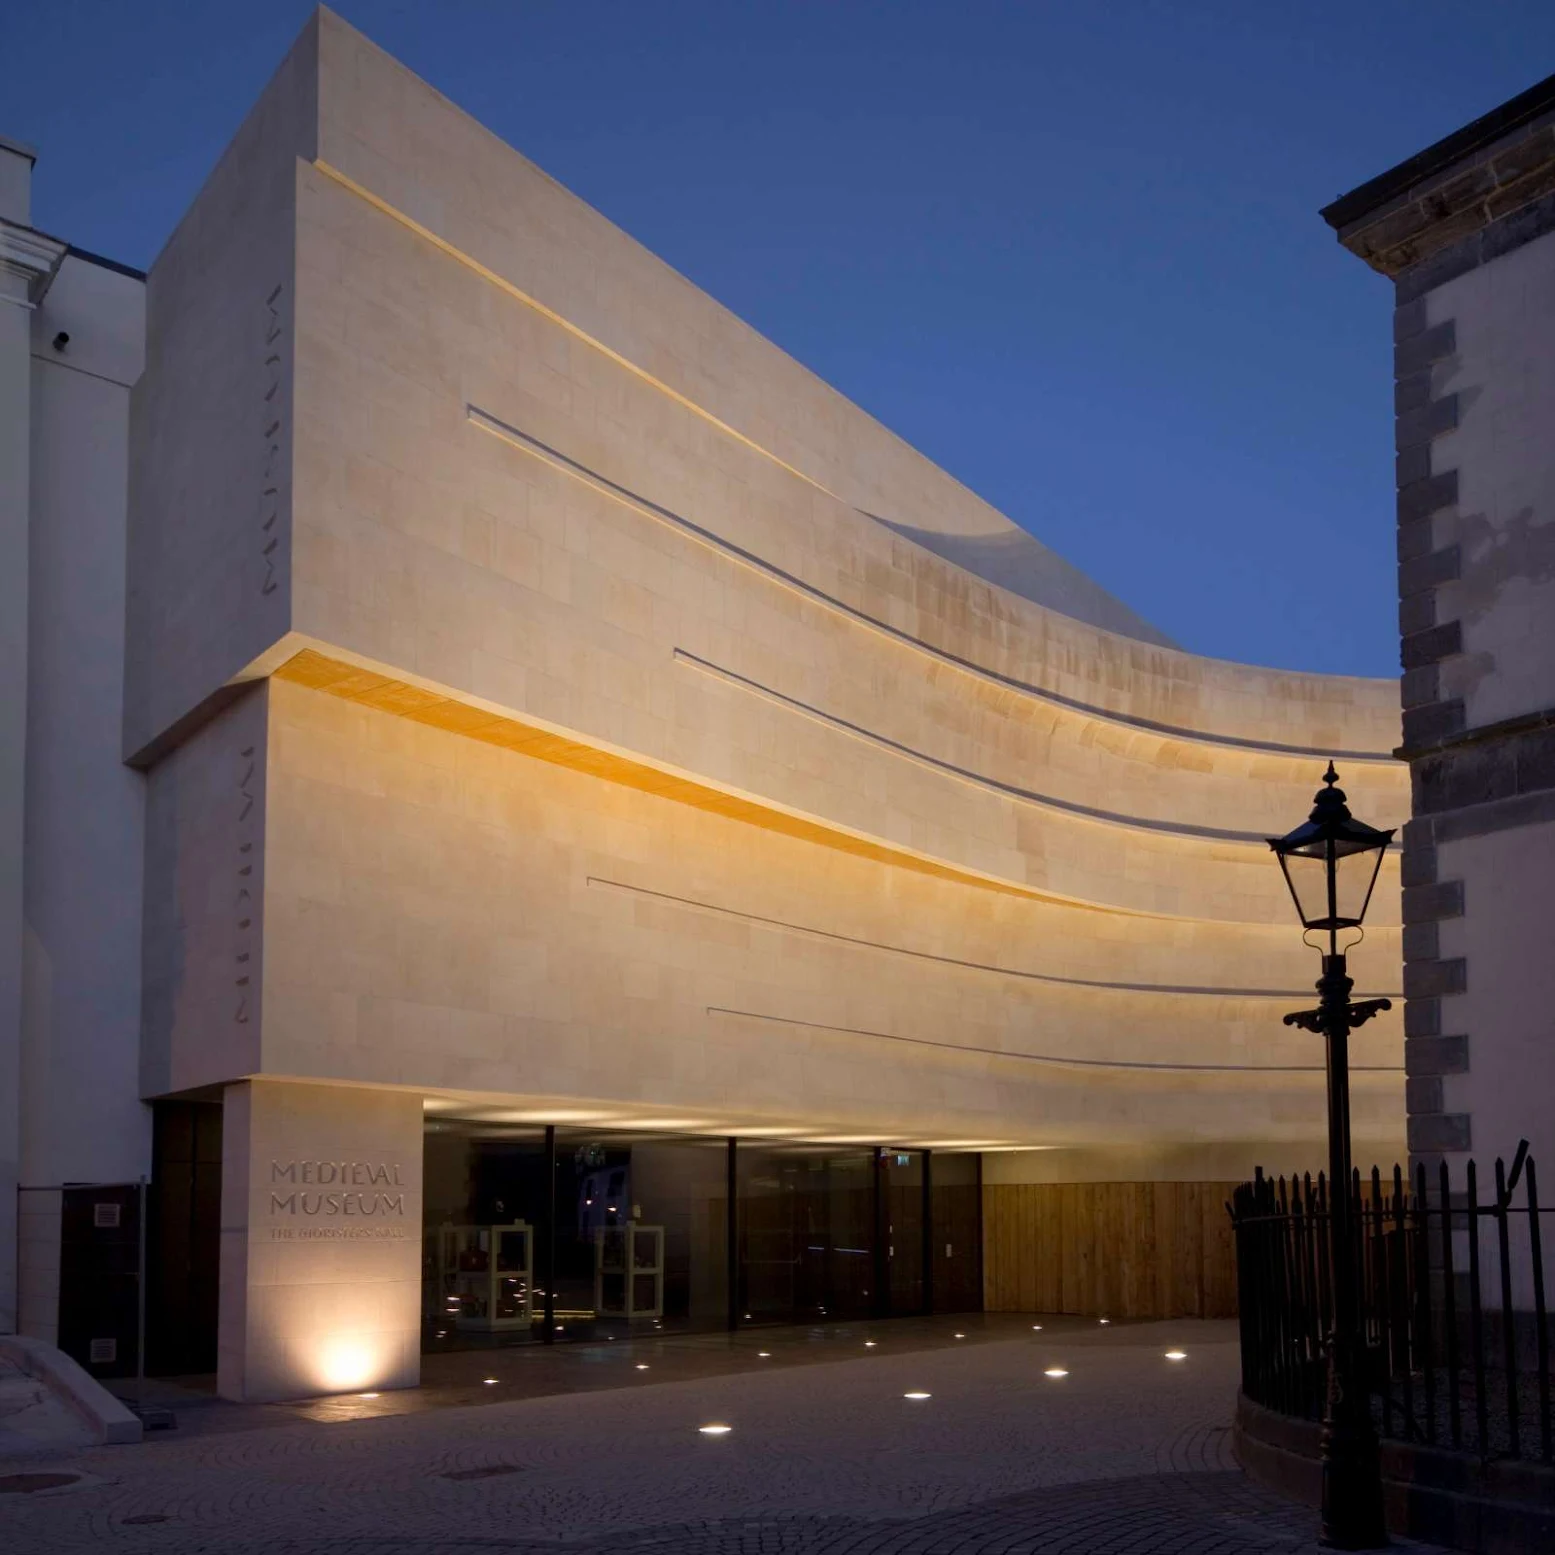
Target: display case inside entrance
{"x": 629, "y": 1271}
{"x": 484, "y": 1276}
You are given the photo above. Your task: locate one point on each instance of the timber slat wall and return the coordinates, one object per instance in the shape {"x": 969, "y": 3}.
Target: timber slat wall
{"x": 1110, "y": 1249}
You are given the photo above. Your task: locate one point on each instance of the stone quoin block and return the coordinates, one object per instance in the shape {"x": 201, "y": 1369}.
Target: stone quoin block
{"x": 1431, "y": 420}
{"x": 1428, "y": 496}
{"x": 1435, "y": 722}
{"x": 1416, "y": 537}
{"x": 1420, "y": 687}
{"x": 1430, "y": 571}
{"x": 1436, "y": 1055}
{"x": 1418, "y": 866}
{"x": 1410, "y": 320}
{"x": 1412, "y": 393}
{"x": 1422, "y": 941}
{"x": 1412, "y": 464}
{"x": 1435, "y": 979}
{"x": 1436, "y": 642}
{"x": 1421, "y": 350}
{"x": 1431, "y": 903}
{"x": 1416, "y": 612}
{"x": 1447, "y": 1132}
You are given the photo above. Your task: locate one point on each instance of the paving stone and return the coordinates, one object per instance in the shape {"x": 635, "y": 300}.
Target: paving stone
{"x": 1127, "y": 1455}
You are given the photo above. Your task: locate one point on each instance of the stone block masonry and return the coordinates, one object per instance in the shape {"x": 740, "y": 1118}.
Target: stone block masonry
{"x": 321, "y": 1257}
{"x": 1466, "y": 231}
{"x": 559, "y": 705}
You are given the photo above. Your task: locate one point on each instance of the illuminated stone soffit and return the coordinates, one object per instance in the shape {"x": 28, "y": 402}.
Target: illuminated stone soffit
{"x": 518, "y": 438}
{"x": 386, "y": 693}
{"x": 390, "y": 695}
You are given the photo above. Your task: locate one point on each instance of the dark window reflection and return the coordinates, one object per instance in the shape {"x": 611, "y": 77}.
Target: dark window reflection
{"x": 807, "y": 1233}
{"x": 629, "y": 1234}
{"x": 641, "y": 1234}
{"x": 901, "y": 1187}
{"x": 485, "y": 1214}
{"x": 956, "y": 1203}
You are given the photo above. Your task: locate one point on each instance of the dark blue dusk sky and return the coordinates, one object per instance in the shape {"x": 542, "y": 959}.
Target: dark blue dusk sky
{"x": 1072, "y": 252}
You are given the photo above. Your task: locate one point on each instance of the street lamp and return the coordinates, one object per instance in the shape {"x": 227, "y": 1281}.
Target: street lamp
{"x": 1331, "y": 864}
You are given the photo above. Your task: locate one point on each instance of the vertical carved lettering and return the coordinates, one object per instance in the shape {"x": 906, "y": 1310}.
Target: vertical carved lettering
{"x": 243, "y": 902}
{"x": 270, "y": 422}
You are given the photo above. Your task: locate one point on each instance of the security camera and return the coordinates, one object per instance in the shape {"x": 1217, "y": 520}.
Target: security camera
{"x": 61, "y": 340}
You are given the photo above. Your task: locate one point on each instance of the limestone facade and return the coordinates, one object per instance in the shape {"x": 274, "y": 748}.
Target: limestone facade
{"x": 484, "y": 482}
{"x": 555, "y": 704}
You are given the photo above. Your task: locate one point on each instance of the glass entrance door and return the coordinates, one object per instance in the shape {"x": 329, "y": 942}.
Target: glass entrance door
{"x": 901, "y": 1194}
{"x": 807, "y": 1233}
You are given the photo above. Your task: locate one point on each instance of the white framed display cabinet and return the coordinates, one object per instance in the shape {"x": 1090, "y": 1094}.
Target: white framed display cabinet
{"x": 629, "y": 1270}
{"x": 485, "y": 1276}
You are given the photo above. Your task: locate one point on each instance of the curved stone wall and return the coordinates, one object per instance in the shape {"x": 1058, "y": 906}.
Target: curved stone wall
{"x": 622, "y": 751}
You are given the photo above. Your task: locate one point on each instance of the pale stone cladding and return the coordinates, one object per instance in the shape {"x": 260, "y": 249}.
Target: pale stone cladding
{"x": 557, "y": 699}
{"x": 1466, "y": 230}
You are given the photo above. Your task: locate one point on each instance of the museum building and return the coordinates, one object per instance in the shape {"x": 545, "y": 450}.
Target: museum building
{"x": 537, "y": 819}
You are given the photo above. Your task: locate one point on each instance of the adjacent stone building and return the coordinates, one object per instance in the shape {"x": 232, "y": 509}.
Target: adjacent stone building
{"x": 610, "y": 835}
{"x": 1466, "y": 232}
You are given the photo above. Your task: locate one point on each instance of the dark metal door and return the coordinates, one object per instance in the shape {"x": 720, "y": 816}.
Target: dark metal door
{"x": 99, "y": 1277}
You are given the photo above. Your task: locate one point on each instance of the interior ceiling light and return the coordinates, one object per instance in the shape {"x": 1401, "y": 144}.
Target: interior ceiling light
{"x": 1055, "y": 1371}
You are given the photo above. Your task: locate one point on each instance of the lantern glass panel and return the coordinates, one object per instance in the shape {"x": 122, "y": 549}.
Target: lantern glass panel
{"x": 1306, "y": 872}
{"x": 1355, "y": 873}
{"x": 1354, "y": 865}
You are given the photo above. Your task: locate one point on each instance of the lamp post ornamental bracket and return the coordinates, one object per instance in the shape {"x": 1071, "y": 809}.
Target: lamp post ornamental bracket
{"x": 1354, "y": 1014}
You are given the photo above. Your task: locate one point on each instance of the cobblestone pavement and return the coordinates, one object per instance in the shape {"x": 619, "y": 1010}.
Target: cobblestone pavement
{"x": 1127, "y": 1453}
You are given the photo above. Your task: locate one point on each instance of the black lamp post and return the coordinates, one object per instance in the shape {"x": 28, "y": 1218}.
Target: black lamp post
{"x": 1331, "y": 864}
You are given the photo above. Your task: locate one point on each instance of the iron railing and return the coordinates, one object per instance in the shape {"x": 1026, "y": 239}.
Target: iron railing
{"x": 1455, "y": 1331}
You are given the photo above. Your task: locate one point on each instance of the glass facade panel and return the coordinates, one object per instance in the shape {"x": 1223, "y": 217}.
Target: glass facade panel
{"x": 807, "y": 1233}
{"x": 485, "y": 1216}
{"x": 641, "y": 1234}
{"x": 612, "y": 1235}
